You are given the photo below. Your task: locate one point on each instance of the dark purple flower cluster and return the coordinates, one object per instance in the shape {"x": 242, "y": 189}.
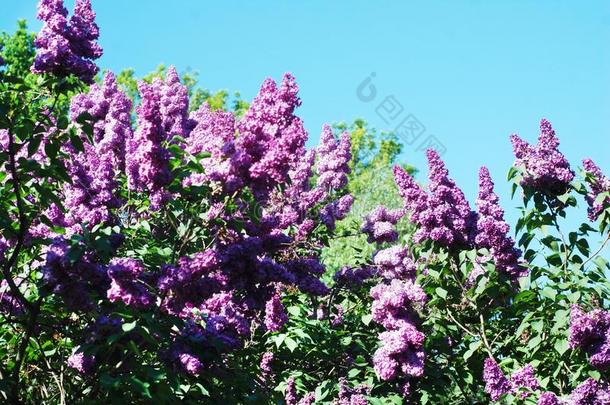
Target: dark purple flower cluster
{"x": 275, "y": 314}
{"x": 492, "y": 230}
{"x": 496, "y": 383}
{"x": 544, "y": 167}
{"x": 174, "y": 104}
{"x": 94, "y": 334}
{"x": 9, "y": 304}
{"x": 548, "y": 398}
{"x": 352, "y": 395}
{"x": 379, "y": 224}
{"x": 351, "y": 277}
{"x": 590, "y": 392}
{"x": 67, "y": 47}
{"x": 598, "y": 184}
{"x": 271, "y": 138}
{"x": 590, "y": 331}
{"x": 93, "y": 194}
{"x": 442, "y": 215}
{"x": 71, "y": 279}
{"x": 521, "y": 383}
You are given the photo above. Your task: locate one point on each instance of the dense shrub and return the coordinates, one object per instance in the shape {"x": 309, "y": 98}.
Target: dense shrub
{"x": 157, "y": 245}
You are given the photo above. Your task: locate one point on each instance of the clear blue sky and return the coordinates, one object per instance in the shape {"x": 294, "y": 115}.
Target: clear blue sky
{"x": 472, "y": 72}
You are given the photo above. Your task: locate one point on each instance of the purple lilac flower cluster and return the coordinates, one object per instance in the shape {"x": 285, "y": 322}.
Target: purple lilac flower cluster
{"x": 147, "y": 163}
{"x": 598, "y": 184}
{"x": 379, "y": 224}
{"x": 401, "y": 352}
{"x": 93, "y": 194}
{"x": 590, "y": 331}
{"x": 267, "y": 363}
{"x": 334, "y": 157}
{"x": 442, "y": 215}
{"x": 521, "y": 382}
{"x": 271, "y": 138}
{"x": 290, "y": 394}
{"x": 492, "y": 230}
{"x": 545, "y": 168}
{"x": 352, "y": 395}
{"x": 63, "y": 46}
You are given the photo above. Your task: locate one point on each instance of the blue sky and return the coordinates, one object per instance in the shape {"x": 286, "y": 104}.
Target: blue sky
{"x": 471, "y": 72}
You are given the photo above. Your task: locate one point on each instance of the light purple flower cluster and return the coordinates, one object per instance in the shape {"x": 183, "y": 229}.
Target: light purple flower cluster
{"x": 590, "y": 331}
{"x": 125, "y": 285}
{"x": 275, "y": 314}
{"x": 394, "y": 307}
{"x": 190, "y": 363}
{"x": 545, "y": 168}
{"x": 213, "y": 132}
{"x": 379, "y": 224}
{"x": 67, "y": 47}
{"x": 174, "y": 104}
{"x": 442, "y": 215}
{"x": 266, "y": 363}
{"x": 598, "y": 184}
{"x": 147, "y": 159}
{"x": 110, "y": 111}
{"x": 492, "y": 230}
{"x": 83, "y": 363}
{"x": 334, "y": 157}
{"x": 394, "y": 263}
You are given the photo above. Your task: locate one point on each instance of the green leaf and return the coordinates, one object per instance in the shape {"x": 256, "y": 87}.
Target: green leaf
{"x": 441, "y": 292}
{"x": 129, "y": 326}
{"x": 291, "y": 343}
{"x": 366, "y": 319}
{"x": 561, "y": 346}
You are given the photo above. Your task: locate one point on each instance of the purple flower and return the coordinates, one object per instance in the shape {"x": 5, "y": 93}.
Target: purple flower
{"x": 64, "y": 48}
{"x": 271, "y": 138}
{"x": 190, "y": 363}
{"x": 524, "y": 378}
{"x": 80, "y": 361}
{"x": 598, "y": 184}
{"x": 544, "y": 168}
{"x": 590, "y": 392}
{"x": 591, "y": 333}
{"x": 443, "y": 215}
{"x": 336, "y": 210}
{"x": 351, "y": 396}
{"x": 213, "y": 132}
{"x": 275, "y": 314}
{"x": 174, "y": 104}
{"x": 394, "y": 263}
{"x": 492, "y": 230}
{"x": 334, "y": 157}
{"x": 379, "y": 224}
{"x": 548, "y": 398}
{"x": 496, "y": 383}
{"x": 353, "y": 277}
{"x": 290, "y": 394}
{"x": 266, "y": 363}
{"x": 125, "y": 283}
{"x": 147, "y": 159}
{"x": 401, "y": 351}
